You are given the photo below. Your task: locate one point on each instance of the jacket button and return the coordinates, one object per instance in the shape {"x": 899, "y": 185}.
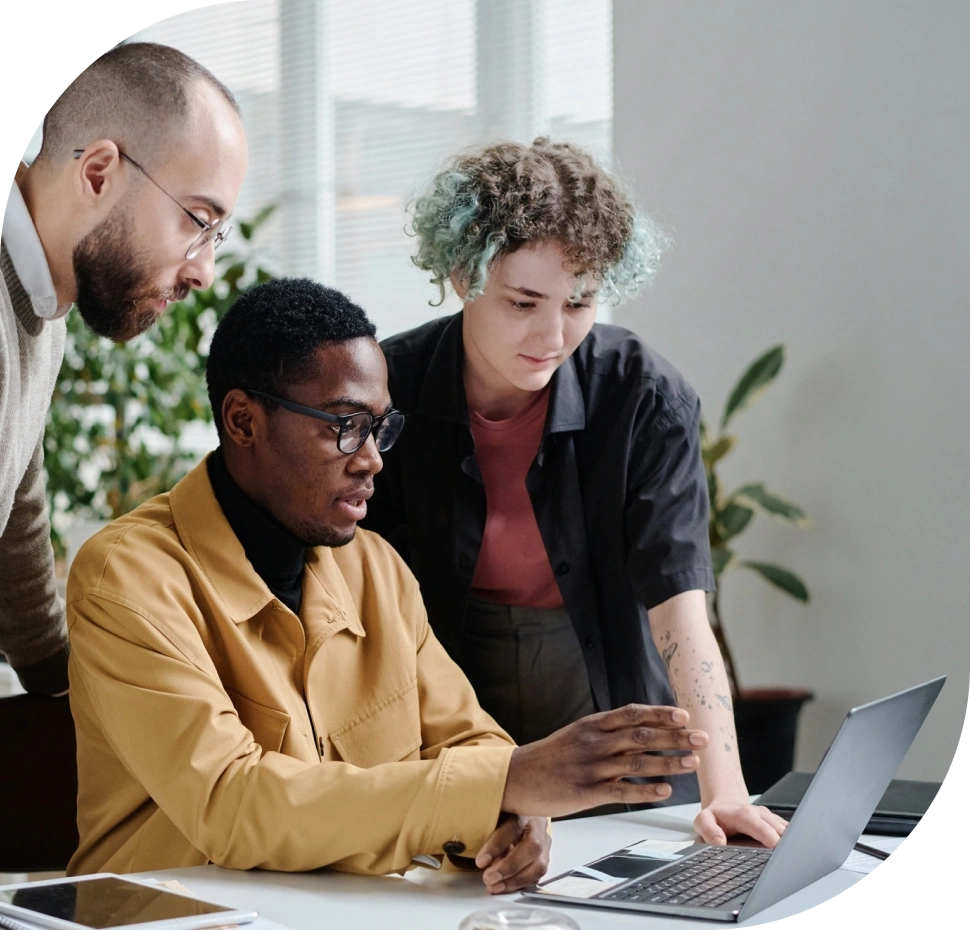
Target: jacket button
{"x": 454, "y": 847}
{"x": 590, "y": 642}
{"x": 464, "y": 561}
{"x": 562, "y": 568}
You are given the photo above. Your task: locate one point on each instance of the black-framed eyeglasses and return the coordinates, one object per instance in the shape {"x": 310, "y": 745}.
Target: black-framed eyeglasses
{"x": 214, "y": 232}
{"x": 354, "y": 427}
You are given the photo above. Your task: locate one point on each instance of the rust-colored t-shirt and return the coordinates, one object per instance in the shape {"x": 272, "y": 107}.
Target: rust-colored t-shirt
{"x": 512, "y": 566}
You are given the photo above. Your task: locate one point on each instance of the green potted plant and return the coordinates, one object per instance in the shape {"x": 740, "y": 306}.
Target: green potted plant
{"x": 766, "y": 718}
{"x": 116, "y": 425}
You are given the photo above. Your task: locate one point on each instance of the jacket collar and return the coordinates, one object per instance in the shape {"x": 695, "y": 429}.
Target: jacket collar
{"x": 443, "y": 391}
{"x": 208, "y": 538}
{"x": 567, "y": 410}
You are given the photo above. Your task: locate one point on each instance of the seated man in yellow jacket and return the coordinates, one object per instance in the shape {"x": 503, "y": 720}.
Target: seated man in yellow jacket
{"x": 255, "y": 684}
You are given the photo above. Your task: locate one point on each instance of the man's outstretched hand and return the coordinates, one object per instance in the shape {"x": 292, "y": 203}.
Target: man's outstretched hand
{"x": 583, "y": 764}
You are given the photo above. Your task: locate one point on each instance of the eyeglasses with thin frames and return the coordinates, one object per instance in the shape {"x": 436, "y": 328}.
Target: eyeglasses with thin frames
{"x": 354, "y": 427}
{"x": 213, "y": 232}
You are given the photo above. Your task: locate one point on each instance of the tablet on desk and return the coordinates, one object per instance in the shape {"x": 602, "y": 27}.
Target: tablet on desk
{"x": 97, "y": 902}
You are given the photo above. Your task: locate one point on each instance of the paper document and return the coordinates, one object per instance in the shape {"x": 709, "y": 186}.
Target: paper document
{"x": 574, "y": 886}
{"x": 863, "y": 862}
{"x": 580, "y": 870}
{"x": 659, "y": 849}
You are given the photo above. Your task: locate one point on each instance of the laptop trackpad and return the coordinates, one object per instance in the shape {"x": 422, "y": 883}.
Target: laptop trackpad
{"x": 624, "y": 867}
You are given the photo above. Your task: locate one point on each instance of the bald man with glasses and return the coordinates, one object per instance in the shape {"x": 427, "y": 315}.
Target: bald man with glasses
{"x": 120, "y": 213}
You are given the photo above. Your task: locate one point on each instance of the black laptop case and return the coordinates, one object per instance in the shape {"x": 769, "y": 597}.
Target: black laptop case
{"x": 897, "y": 813}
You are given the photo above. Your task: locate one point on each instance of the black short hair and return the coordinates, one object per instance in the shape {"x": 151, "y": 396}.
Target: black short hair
{"x": 137, "y": 95}
{"x": 268, "y": 338}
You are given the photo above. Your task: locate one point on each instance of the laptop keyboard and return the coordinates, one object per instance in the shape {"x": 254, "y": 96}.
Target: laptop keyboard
{"x": 710, "y": 878}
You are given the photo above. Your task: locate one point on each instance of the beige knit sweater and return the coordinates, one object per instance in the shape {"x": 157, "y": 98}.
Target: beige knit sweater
{"x": 33, "y": 635}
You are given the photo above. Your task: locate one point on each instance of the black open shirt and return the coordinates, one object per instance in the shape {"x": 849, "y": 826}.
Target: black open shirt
{"x": 618, "y": 490}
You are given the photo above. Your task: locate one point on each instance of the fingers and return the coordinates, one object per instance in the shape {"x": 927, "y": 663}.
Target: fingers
{"x": 708, "y": 829}
{"x": 779, "y": 823}
{"x": 522, "y": 864}
{"x": 625, "y": 792}
{"x": 757, "y": 827}
{"x": 641, "y": 765}
{"x": 595, "y": 742}
{"x": 641, "y": 715}
{"x": 526, "y": 876}
{"x": 717, "y": 822}
{"x": 647, "y": 739}
{"x": 580, "y": 765}
{"x": 505, "y": 834}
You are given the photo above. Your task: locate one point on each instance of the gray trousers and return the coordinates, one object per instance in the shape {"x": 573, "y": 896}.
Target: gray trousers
{"x": 526, "y": 666}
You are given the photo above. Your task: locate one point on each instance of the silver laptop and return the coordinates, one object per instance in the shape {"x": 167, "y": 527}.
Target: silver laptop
{"x": 730, "y": 883}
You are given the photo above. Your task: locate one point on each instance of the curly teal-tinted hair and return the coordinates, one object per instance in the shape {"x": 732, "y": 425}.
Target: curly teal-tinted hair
{"x": 491, "y": 201}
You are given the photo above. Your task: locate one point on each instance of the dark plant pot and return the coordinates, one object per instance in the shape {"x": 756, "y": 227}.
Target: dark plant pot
{"x": 767, "y": 724}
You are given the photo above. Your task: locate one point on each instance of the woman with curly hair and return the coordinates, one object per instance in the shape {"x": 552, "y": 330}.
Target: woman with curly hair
{"x": 548, "y": 491}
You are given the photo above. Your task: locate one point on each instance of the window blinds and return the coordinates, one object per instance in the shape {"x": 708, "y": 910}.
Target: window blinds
{"x": 351, "y": 105}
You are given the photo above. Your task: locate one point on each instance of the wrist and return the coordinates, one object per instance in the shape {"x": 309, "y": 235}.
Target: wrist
{"x": 728, "y": 788}
{"x": 463, "y": 863}
{"x": 510, "y": 796}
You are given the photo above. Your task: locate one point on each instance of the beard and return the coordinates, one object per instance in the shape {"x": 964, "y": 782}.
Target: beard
{"x": 323, "y": 536}
{"x": 113, "y": 280}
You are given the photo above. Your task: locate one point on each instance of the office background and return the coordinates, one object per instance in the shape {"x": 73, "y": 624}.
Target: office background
{"x": 810, "y": 161}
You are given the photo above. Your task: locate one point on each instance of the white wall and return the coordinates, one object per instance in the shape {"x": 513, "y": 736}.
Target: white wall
{"x": 812, "y": 160}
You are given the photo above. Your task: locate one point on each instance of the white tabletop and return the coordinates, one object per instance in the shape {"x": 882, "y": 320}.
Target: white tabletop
{"x": 439, "y": 900}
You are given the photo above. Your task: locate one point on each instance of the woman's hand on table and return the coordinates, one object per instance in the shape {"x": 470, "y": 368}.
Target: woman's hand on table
{"x": 720, "y": 820}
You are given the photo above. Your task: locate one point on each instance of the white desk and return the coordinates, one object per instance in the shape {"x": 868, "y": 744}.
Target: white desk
{"x": 432, "y": 900}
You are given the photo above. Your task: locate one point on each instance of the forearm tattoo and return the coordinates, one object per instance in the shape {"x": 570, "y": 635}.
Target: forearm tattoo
{"x": 706, "y": 687}
{"x": 668, "y": 656}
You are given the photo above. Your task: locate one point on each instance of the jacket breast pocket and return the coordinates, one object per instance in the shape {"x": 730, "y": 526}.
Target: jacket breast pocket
{"x": 267, "y": 724}
{"x": 389, "y": 732}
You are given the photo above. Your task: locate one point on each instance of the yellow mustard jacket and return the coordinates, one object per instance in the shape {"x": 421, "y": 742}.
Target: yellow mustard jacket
{"x": 215, "y": 725}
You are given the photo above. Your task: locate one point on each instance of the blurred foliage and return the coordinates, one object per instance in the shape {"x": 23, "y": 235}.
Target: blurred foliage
{"x": 116, "y": 420}
{"x": 732, "y": 513}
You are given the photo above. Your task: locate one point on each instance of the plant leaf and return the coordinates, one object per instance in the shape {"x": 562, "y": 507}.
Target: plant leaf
{"x": 722, "y": 559}
{"x": 758, "y": 376}
{"x": 263, "y": 216}
{"x": 758, "y": 497}
{"x": 713, "y": 489}
{"x": 713, "y": 453}
{"x": 781, "y": 578}
{"x": 732, "y": 520}
{"x": 233, "y": 273}
{"x": 246, "y": 230}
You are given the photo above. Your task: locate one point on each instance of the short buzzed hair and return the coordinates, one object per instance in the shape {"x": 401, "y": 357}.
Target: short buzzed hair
{"x": 136, "y": 95}
{"x": 269, "y": 337}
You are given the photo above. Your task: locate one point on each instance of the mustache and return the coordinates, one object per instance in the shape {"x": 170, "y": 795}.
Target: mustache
{"x": 179, "y": 293}
{"x": 176, "y": 294}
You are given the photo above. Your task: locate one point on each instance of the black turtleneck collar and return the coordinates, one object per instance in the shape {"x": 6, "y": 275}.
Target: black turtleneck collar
{"x": 275, "y": 553}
